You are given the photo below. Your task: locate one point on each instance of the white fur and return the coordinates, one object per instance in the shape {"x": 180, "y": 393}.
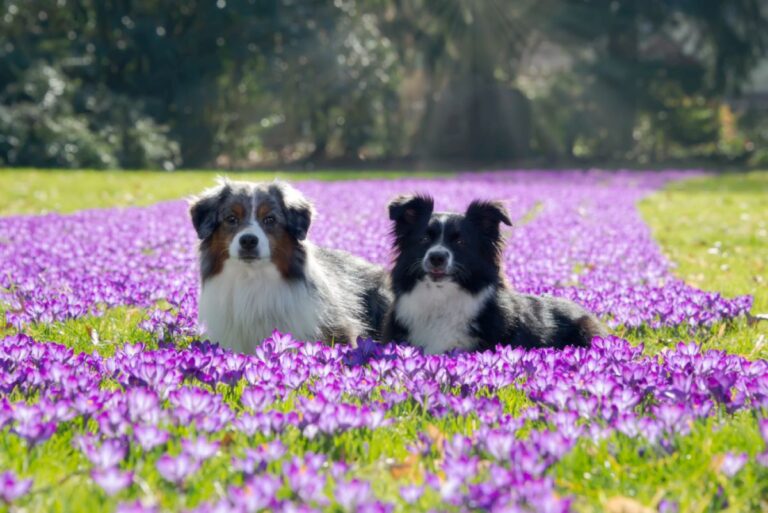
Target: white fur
{"x": 438, "y": 315}
{"x": 439, "y": 247}
{"x": 246, "y": 302}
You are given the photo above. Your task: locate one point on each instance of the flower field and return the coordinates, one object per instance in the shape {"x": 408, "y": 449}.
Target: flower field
{"x": 143, "y": 416}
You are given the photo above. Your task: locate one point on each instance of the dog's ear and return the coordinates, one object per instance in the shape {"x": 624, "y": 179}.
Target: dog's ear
{"x": 204, "y": 210}
{"x": 296, "y": 207}
{"x": 487, "y": 215}
{"x": 406, "y": 211}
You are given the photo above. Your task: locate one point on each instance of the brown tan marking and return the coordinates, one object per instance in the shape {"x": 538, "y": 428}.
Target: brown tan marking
{"x": 217, "y": 251}
{"x": 282, "y": 246}
{"x": 239, "y": 211}
{"x": 263, "y": 211}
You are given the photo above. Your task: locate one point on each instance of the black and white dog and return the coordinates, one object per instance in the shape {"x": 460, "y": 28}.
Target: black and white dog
{"x": 259, "y": 273}
{"x": 450, "y": 292}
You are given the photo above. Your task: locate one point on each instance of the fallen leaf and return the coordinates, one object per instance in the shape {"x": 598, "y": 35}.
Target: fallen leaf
{"x": 626, "y": 505}
{"x": 438, "y": 439}
{"x": 227, "y": 440}
{"x": 759, "y": 343}
{"x": 93, "y": 334}
{"x": 408, "y": 469}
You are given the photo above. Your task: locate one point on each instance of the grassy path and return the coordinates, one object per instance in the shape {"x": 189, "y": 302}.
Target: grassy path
{"x": 40, "y": 191}
{"x": 715, "y": 229}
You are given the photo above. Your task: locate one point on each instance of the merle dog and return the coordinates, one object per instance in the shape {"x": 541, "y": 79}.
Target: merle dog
{"x": 259, "y": 272}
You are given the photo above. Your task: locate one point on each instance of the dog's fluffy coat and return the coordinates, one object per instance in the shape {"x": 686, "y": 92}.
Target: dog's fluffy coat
{"x": 260, "y": 274}
{"x": 450, "y": 292}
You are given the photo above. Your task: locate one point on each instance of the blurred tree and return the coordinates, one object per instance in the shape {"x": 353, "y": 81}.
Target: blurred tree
{"x": 160, "y": 83}
{"x": 332, "y": 75}
{"x": 173, "y": 57}
{"x": 652, "y": 57}
{"x": 468, "y": 52}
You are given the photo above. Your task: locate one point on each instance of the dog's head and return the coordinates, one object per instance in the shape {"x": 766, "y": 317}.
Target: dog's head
{"x": 253, "y": 224}
{"x": 465, "y": 248}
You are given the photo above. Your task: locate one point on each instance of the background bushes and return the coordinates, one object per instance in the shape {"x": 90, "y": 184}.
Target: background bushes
{"x": 231, "y": 83}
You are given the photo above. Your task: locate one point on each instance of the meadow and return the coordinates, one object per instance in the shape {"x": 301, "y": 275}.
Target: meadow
{"x": 110, "y": 402}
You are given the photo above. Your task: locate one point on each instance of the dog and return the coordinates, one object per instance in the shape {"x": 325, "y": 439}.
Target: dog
{"x": 259, "y": 273}
{"x": 450, "y": 293}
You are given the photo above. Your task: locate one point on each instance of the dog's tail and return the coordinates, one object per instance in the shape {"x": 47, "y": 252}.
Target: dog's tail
{"x": 589, "y": 327}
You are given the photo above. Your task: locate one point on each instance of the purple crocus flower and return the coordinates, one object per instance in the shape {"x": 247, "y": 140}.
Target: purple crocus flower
{"x": 143, "y": 406}
{"x": 352, "y": 493}
{"x": 199, "y": 449}
{"x": 411, "y": 493}
{"x": 499, "y": 444}
{"x": 732, "y": 463}
{"x": 12, "y": 488}
{"x": 107, "y": 455}
{"x": 256, "y": 398}
{"x": 249, "y": 424}
{"x": 112, "y": 480}
{"x": 149, "y": 437}
{"x": 762, "y": 424}
{"x": 666, "y": 506}
{"x": 136, "y": 507}
{"x": 35, "y": 431}
{"x": 176, "y": 469}
{"x": 256, "y": 494}
{"x": 374, "y": 507}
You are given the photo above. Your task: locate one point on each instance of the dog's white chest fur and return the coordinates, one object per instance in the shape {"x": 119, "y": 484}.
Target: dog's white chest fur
{"x": 438, "y": 315}
{"x": 246, "y": 302}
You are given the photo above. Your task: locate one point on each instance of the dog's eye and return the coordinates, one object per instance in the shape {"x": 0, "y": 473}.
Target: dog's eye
{"x": 268, "y": 220}
{"x": 459, "y": 241}
{"x": 231, "y": 219}
{"x": 425, "y": 239}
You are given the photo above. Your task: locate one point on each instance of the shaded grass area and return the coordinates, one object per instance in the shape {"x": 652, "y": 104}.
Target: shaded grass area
{"x": 714, "y": 228}
{"x": 40, "y": 191}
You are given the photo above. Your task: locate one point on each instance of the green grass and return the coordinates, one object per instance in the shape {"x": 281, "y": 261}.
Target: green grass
{"x": 629, "y": 469}
{"x": 689, "y": 219}
{"x": 39, "y": 191}
{"x": 714, "y": 228}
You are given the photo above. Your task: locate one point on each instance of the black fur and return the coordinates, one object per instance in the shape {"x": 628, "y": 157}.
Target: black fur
{"x": 476, "y": 244}
{"x": 370, "y": 286}
{"x": 298, "y": 211}
{"x": 204, "y": 211}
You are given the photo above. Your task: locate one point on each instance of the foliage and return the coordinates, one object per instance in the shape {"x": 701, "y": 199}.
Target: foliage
{"x": 640, "y": 61}
{"x": 48, "y": 119}
{"x": 234, "y": 82}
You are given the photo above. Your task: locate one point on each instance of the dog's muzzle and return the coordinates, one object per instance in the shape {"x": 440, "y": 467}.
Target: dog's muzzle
{"x": 249, "y": 247}
{"x": 437, "y": 263}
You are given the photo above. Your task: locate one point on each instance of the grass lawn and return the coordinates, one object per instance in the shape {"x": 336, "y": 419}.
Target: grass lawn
{"x": 39, "y": 191}
{"x": 714, "y": 228}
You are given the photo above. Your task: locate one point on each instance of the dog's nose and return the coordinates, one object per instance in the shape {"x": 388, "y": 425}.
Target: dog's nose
{"x": 438, "y": 259}
{"x": 249, "y": 241}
